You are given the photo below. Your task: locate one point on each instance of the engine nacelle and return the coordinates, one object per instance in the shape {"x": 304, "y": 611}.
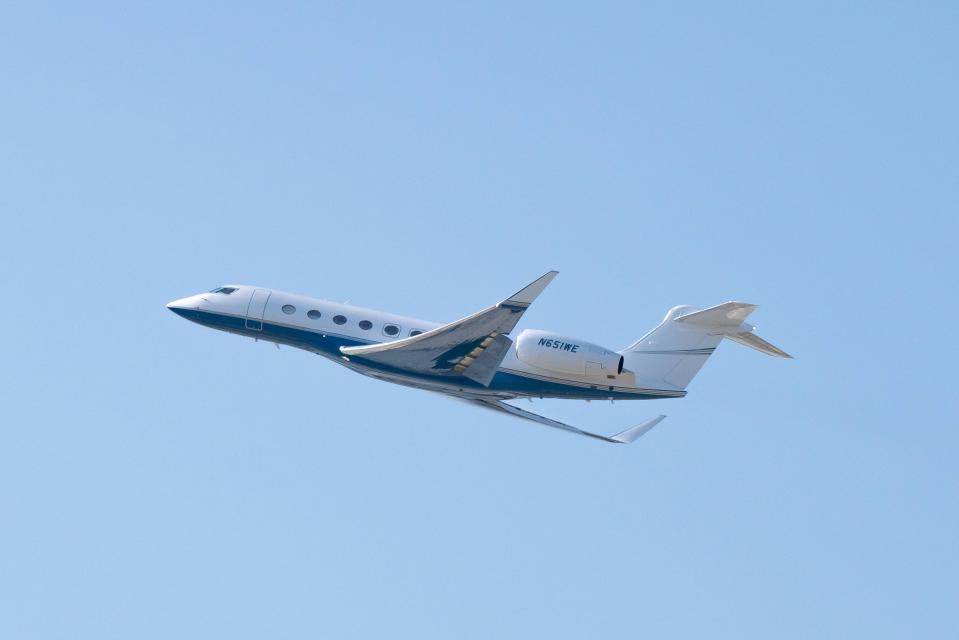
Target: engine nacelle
{"x": 552, "y": 352}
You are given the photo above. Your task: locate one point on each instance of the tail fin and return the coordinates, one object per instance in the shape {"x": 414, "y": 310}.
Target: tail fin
{"x": 674, "y": 352}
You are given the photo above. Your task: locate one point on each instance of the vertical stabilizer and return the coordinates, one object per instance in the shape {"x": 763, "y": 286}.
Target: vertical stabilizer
{"x": 674, "y": 352}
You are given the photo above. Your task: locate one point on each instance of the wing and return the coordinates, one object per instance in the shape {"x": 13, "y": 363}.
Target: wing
{"x": 624, "y": 437}
{"x": 472, "y": 347}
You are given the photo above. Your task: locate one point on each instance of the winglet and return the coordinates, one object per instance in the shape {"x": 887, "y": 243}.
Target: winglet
{"x": 525, "y": 296}
{"x": 633, "y": 433}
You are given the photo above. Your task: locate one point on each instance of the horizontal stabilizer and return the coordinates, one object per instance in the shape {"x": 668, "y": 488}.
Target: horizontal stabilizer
{"x": 752, "y": 340}
{"x": 727, "y": 314}
{"x": 727, "y": 320}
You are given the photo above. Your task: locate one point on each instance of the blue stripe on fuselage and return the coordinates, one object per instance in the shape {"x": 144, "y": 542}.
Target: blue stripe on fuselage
{"x": 329, "y": 345}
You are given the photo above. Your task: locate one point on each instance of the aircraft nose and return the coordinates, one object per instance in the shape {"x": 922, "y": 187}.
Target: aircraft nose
{"x": 183, "y": 306}
{"x": 177, "y": 306}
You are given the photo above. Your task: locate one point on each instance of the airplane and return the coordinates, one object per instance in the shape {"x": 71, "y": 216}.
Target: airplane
{"x": 475, "y": 359}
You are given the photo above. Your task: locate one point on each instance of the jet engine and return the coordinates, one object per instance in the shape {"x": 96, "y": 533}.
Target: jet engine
{"x": 552, "y": 352}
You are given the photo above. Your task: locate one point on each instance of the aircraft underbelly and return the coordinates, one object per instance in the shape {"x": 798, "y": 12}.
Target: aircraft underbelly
{"x": 505, "y": 385}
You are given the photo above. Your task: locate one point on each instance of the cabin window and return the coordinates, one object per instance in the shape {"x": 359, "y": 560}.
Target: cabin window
{"x": 366, "y": 325}
{"x": 339, "y": 319}
{"x": 288, "y": 309}
{"x": 415, "y": 332}
{"x": 391, "y": 330}
{"x": 313, "y": 314}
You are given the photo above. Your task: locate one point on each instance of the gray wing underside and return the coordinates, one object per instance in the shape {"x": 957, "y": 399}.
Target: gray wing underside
{"x": 624, "y": 437}
{"x": 472, "y": 347}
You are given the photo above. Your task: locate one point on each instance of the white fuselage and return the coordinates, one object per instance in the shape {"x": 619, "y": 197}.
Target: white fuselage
{"x": 322, "y": 326}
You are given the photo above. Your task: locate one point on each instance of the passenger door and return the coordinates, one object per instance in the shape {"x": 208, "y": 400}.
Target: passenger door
{"x": 256, "y": 309}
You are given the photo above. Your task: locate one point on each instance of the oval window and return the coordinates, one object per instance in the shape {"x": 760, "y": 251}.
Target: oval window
{"x": 366, "y": 325}
{"x": 289, "y": 309}
{"x": 313, "y": 314}
{"x": 339, "y": 319}
{"x": 391, "y": 329}
{"x": 415, "y": 332}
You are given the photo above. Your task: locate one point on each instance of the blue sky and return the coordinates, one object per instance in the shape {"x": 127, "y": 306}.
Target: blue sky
{"x": 160, "y": 480}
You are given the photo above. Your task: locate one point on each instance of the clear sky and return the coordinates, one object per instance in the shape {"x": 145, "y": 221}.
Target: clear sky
{"x": 161, "y": 480}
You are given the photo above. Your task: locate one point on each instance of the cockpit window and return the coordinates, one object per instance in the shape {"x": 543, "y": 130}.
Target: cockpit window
{"x": 224, "y": 290}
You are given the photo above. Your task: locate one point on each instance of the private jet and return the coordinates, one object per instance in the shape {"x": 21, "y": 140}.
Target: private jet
{"x": 475, "y": 359}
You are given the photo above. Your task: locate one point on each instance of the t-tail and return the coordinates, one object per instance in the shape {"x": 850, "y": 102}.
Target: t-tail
{"x": 673, "y": 353}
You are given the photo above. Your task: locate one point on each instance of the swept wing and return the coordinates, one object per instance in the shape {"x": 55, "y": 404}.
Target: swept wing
{"x": 472, "y": 347}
